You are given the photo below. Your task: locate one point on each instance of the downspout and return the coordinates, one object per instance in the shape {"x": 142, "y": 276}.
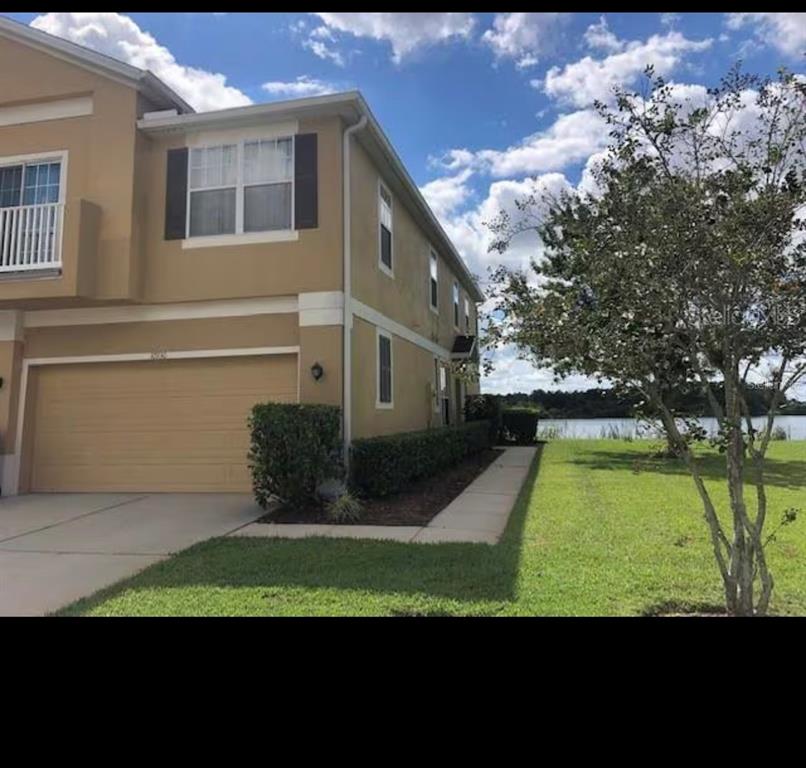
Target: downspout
{"x": 347, "y": 359}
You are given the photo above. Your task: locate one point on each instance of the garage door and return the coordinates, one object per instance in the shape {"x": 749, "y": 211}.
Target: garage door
{"x": 167, "y": 425}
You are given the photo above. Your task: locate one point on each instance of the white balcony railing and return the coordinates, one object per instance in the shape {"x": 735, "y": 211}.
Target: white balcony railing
{"x": 31, "y": 237}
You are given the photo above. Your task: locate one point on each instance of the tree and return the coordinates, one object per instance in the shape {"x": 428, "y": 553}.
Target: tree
{"x": 683, "y": 267}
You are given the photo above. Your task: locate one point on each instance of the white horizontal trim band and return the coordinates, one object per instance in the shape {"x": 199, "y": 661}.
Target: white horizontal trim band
{"x": 46, "y": 110}
{"x": 392, "y": 326}
{"x": 179, "y": 354}
{"x": 248, "y": 238}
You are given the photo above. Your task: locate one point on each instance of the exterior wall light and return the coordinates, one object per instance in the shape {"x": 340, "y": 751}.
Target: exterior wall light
{"x": 317, "y": 371}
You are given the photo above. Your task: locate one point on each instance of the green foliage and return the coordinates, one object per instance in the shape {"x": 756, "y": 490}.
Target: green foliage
{"x": 294, "y": 448}
{"x": 384, "y": 465}
{"x": 344, "y": 509}
{"x": 485, "y": 408}
{"x": 520, "y": 425}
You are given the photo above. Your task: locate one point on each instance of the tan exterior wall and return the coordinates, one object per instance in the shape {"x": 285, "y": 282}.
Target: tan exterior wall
{"x": 412, "y": 372}
{"x": 404, "y": 298}
{"x": 10, "y": 368}
{"x": 311, "y": 263}
{"x": 163, "y": 335}
{"x": 323, "y": 345}
{"x": 100, "y": 164}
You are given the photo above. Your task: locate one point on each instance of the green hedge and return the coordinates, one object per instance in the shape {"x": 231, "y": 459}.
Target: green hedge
{"x": 520, "y": 425}
{"x": 294, "y": 448}
{"x": 485, "y": 408}
{"x": 384, "y": 465}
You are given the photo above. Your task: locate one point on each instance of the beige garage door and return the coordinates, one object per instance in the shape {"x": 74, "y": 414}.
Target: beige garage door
{"x": 168, "y": 425}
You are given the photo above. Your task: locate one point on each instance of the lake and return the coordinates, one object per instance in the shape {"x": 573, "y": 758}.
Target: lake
{"x": 795, "y": 427}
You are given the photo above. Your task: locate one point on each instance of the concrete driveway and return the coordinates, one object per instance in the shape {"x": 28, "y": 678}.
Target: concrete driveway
{"x": 56, "y": 548}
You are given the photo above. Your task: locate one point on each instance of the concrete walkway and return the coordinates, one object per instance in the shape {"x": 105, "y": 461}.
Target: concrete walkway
{"x": 56, "y": 548}
{"x": 478, "y": 515}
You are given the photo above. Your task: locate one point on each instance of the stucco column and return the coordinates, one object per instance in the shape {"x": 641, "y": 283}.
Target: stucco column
{"x": 11, "y": 355}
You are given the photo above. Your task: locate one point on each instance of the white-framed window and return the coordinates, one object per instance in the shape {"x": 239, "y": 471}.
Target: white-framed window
{"x": 385, "y": 374}
{"x": 456, "y": 305}
{"x": 241, "y": 187}
{"x": 385, "y": 229}
{"x": 467, "y": 315}
{"x": 35, "y": 180}
{"x": 433, "y": 281}
{"x": 32, "y": 197}
{"x": 437, "y": 385}
{"x": 444, "y": 396}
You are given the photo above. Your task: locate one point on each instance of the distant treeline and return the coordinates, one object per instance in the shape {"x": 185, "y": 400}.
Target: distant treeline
{"x": 606, "y": 404}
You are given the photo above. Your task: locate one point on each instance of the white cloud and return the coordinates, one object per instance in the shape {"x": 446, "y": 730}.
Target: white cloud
{"x": 784, "y": 31}
{"x": 447, "y": 194}
{"x": 670, "y": 19}
{"x": 570, "y": 139}
{"x": 119, "y": 36}
{"x": 324, "y": 51}
{"x": 406, "y": 32}
{"x": 302, "y": 86}
{"x": 523, "y": 37}
{"x": 599, "y": 36}
{"x": 588, "y": 79}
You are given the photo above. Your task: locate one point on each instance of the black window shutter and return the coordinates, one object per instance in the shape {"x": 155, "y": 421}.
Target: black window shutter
{"x": 306, "y": 182}
{"x": 176, "y": 188}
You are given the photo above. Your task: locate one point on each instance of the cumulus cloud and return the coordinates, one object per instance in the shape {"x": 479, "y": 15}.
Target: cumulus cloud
{"x": 786, "y": 32}
{"x": 588, "y": 79}
{"x": 570, "y": 139}
{"x": 119, "y": 36}
{"x": 599, "y": 36}
{"x": 302, "y": 86}
{"x": 405, "y": 32}
{"x": 524, "y": 37}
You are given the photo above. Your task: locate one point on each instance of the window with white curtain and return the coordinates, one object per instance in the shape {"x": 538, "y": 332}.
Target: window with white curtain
{"x": 243, "y": 187}
{"x": 385, "y": 229}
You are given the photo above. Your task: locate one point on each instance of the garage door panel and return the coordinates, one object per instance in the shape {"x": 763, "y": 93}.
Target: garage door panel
{"x": 176, "y": 425}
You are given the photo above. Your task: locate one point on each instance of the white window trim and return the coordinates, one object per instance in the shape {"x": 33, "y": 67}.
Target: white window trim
{"x": 437, "y": 404}
{"x": 239, "y": 237}
{"x": 456, "y": 305}
{"x": 59, "y": 155}
{"x": 378, "y": 404}
{"x": 433, "y": 307}
{"x": 467, "y": 314}
{"x": 388, "y": 272}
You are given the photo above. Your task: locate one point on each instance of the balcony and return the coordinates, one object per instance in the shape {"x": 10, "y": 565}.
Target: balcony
{"x": 31, "y": 239}
{"x": 48, "y": 251}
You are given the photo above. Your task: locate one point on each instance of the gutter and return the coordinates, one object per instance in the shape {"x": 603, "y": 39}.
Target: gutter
{"x": 347, "y": 332}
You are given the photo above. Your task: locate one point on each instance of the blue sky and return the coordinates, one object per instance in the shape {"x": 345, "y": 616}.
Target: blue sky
{"x": 477, "y": 105}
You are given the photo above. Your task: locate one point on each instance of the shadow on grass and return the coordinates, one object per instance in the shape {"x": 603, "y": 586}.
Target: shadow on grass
{"x": 785, "y": 474}
{"x": 683, "y": 608}
{"x": 462, "y": 572}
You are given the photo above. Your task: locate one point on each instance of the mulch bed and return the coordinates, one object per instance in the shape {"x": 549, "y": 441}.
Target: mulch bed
{"x": 416, "y": 506}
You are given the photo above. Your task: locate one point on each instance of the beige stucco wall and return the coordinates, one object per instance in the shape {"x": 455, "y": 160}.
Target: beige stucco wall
{"x": 311, "y": 263}
{"x": 10, "y": 366}
{"x": 100, "y": 163}
{"x": 273, "y": 330}
{"x": 404, "y": 298}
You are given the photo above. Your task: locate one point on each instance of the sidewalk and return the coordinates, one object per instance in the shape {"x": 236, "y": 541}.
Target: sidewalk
{"x": 477, "y": 515}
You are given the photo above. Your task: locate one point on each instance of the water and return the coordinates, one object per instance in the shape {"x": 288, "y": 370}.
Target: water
{"x": 794, "y": 426}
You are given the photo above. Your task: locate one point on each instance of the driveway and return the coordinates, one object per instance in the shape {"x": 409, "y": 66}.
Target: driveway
{"x": 56, "y": 548}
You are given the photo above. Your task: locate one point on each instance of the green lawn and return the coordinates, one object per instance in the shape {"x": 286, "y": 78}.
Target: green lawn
{"x": 600, "y": 529}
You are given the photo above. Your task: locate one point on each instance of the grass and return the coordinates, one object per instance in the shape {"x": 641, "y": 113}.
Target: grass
{"x": 599, "y": 529}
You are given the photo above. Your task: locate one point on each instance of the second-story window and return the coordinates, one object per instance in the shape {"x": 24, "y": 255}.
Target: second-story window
{"x": 213, "y": 190}
{"x": 456, "y": 304}
{"x": 267, "y": 173}
{"x": 433, "y": 282}
{"x": 467, "y": 315}
{"x": 237, "y": 188}
{"x": 385, "y": 228}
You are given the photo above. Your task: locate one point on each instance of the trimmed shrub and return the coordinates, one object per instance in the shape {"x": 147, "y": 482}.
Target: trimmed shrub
{"x": 520, "y": 425}
{"x": 294, "y": 449}
{"x": 384, "y": 465}
{"x": 485, "y": 408}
